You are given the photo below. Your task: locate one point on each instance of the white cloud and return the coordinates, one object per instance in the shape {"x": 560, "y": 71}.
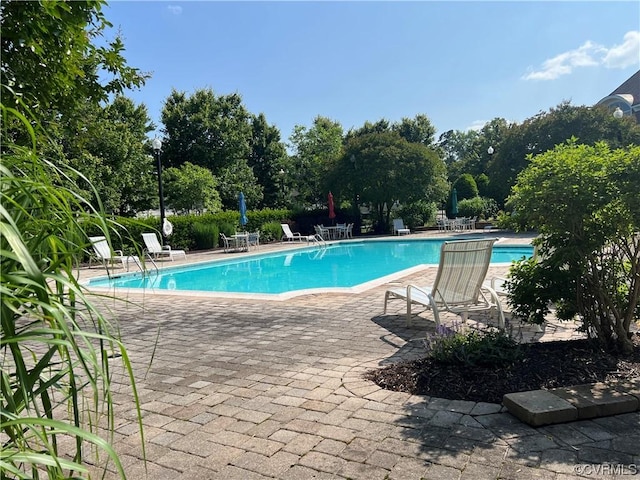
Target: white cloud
{"x": 477, "y": 125}
{"x": 625, "y": 55}
{"x": 590, "y": 55}
{"x": 175, "y": 9}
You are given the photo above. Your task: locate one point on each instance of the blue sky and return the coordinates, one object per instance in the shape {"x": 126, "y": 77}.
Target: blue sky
{"x": 460, "y": 63}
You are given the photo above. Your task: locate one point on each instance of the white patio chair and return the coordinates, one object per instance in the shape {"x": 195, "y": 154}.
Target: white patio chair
{"x": 349, "y": 231}
{"x": 458, "y": 286}
{"x": 254, "y": 239}
{"x": 399, "y": 228}
{"x": 291, "y": 236}
{"x": 230, "y": 244}
{"x": 156, "y": 250}
{"x": 322, "y": 232}
{"x": 108, "y": 257}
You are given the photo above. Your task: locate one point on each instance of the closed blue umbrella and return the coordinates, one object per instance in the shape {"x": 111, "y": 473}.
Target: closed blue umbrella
{"x": 454, "y": 202}
{"x": 243, "y": 210}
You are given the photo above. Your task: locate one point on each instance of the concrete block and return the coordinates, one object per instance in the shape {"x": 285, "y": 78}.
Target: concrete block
{"x": 539, "y": 407}
{"x": 598, "y": 399}
{"x": 632, "y": 387}
{"x": 586, "y": 408}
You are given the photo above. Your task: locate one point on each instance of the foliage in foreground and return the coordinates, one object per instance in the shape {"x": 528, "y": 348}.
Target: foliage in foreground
{"x": 584, "y": 202}
{"x": 55, "y": 346}
{"x": 472, "y": 349}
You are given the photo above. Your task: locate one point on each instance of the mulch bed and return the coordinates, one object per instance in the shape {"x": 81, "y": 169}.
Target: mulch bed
{"x": 543, "y": 365}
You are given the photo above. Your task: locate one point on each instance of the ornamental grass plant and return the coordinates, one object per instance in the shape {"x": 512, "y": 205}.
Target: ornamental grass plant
{"x": 56, "y": 345}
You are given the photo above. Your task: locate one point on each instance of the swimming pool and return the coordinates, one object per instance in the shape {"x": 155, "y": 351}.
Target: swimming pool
{"x": 337, "y": 266}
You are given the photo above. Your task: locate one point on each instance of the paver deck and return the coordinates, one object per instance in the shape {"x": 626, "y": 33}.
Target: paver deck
{"x": 254, "y": 389}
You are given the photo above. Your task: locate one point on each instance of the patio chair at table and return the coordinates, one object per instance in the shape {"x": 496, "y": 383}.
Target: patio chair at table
{"x": 341, "y": 230}
{"x": 349, "y": 231}
{"x": 230, "y": 244}
{"x": 253, "y": 239}
{"x": 458, "y": 286}
{"x": 323, "y": 232}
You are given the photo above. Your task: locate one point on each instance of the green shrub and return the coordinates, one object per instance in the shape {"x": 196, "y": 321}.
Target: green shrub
{"x": 228, "y": 229}
{"x": 489, "y": 207}
{"x": 480, "y": 207}
{"x": 472, "y": 349}
{"x": 466, "y": 187}
{"x": 583, "y": 200}
{"x": 470, "y": 207}
{"x": 418, "y": 214}
{"x": 205, "y": 235}
{"x": 270, "y": 232}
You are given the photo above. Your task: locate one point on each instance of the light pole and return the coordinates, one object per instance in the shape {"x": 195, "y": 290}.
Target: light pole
{"x": 283, "y": 194}
{"x": 618, "y": 114}
{"x": 490, "y": 151}
{"x": 157, "y": 147}
{"x": 356, "y": 198}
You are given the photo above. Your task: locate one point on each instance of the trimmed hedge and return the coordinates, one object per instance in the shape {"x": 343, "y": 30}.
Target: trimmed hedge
{"x": 201, "y": 232}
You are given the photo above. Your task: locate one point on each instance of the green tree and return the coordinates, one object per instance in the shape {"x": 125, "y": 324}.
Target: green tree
{"x": 455, "y": 147}
{"x": 235, "y": 178}
{"x": 315, "y": 150}
{"x": 482, "y": 181}
{"x": 268, "y": 158}
{"x": 466, "y": 187}
{"x": 191, "y": 189}
{"x": 467, "y": 152}
{"x": 546, "y": 130}
{"x": 111, "y": 148}
{"x": 416, "y": 130}
{"x": 51, "y": 60}
{"x": 206, "y": 130}
{"x": 384, "y": 169}
{"x": 584, "y": 202}
{"x": 56, "y": 346}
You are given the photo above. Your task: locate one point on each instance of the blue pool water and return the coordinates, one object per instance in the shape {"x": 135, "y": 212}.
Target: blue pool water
{"x": 339, "y": 265}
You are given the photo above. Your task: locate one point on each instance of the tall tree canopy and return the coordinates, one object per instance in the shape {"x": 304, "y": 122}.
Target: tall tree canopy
{"x": 548, "y": 129}
{"x": 206, "y": 130}
{"x": 383, "y": 168}
{"x": 416, "y": 130}
{"x": 212, "y": 132}
{"x": 191, "y": 189}
{"x": 315, "y": 150}
{"x": 50, "y": 57}
{"x": 267, "y": 159}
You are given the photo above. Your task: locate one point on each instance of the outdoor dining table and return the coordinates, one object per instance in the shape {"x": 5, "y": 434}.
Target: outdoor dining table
{"x": 335, "y": 232}
{"x": 242, "y": 241}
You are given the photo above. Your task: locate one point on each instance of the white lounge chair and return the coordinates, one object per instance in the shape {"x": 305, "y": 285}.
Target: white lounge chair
{"x": 110, "y": 257}
{"x": 291, "y": 236}
{"x": 156, "y": 250}
{"x": 399, "y": 228}
{"x": 458, "y": 286}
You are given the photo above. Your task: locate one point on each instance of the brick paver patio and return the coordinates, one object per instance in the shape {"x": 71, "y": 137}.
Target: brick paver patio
{"x": 254, "y": 389}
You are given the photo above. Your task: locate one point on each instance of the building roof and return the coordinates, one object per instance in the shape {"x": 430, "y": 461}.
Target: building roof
{"x": 630, "y": 86}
